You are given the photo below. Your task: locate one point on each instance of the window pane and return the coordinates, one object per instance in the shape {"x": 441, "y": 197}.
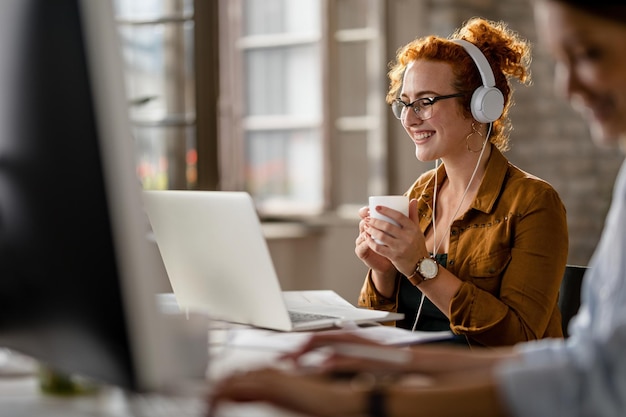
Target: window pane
{"x": 167, "y": 157}
{"x": 283, "y": 167}
{"x": 284, "y": 81}
{"x": 159, "y": 69}
{"x": 264, "y": 17}
{"x": 157, "y": 46}
{"x": 282, "y": 104}
{"x": 151, "y": 9}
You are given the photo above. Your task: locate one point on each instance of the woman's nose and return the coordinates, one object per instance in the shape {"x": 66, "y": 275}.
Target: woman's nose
{"x": 566, "y": 81}
{"x": 411, "y": 118}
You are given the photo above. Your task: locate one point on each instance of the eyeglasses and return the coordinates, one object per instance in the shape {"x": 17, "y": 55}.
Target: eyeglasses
{"x": 423, "y": 107}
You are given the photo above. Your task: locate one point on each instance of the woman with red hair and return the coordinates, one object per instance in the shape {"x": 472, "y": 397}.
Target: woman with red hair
{"x": 494, "y": 236}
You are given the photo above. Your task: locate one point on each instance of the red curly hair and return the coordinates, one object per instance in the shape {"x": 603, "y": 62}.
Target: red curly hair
{"x": 508, "y": 55}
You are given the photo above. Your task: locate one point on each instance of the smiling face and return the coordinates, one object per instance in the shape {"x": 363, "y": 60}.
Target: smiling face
{"x": 443, "y": 134}
{"x": 590, "y": 70}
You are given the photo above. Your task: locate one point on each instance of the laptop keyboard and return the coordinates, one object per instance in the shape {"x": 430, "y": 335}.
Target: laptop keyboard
{"x": 300, "y": 317}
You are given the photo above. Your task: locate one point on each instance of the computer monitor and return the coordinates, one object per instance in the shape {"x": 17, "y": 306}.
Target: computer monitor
{"x": 78, "y": 275}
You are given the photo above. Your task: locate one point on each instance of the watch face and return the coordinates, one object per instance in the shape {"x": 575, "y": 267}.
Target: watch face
{"x": 429, "y": 268}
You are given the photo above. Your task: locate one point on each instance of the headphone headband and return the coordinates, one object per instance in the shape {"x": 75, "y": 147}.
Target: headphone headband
{"x": 486, "y": 74}
{"x": 487, "y": 101}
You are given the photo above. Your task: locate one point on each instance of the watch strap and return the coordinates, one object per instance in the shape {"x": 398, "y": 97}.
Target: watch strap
{"x": 376, "y": 402}
{"x": 416, "y": 277}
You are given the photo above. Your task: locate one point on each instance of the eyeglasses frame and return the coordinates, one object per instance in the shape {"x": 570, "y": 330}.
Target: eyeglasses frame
{"x": 430, "y": 102}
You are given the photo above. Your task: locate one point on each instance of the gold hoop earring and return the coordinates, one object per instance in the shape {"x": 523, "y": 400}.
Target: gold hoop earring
{"x": 474, "y": 130}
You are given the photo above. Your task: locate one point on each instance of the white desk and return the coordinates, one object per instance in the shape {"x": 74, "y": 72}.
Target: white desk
{"x": 20, "y": 395}
{"x": 229, "y": 351}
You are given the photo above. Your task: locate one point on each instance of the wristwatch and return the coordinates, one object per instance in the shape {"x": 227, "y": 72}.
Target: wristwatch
{"x": 427, "y": 268}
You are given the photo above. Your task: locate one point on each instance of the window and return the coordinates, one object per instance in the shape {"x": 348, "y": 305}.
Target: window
{"x": 281, "y": 98}
{"x": 272, "y": 55}
{"x": 303, "y": 84}
{"x": 157, "y": 41}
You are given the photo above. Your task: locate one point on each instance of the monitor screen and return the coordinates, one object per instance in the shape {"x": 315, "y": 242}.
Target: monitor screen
{"x": 77, "y": 272}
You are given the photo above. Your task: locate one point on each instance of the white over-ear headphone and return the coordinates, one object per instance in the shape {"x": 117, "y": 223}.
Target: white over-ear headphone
{"x": 487, "y": 101}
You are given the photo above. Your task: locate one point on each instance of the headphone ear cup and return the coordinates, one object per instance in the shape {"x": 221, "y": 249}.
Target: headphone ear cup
{"x": 487, "y": 104}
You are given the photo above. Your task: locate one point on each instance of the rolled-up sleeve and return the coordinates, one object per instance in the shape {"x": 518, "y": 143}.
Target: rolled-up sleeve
{"x": 371, "y": 298}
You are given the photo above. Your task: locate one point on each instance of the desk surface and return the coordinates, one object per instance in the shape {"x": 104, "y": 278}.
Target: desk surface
{"x": 229, "y": 351}
{"x": 20, "y": 394}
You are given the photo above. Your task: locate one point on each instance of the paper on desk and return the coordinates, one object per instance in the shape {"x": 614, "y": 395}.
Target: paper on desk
{"x": 294, "y": 299}
{"x": 330, "y": 303}
{"x": 396, "y": 336}
{"x": 286, "y": 342}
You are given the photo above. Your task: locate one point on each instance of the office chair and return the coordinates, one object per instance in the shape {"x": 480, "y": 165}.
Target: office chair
{"x": 569, "y": 294}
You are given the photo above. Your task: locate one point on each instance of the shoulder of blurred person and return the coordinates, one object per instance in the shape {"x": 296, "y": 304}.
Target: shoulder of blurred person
{"x": 585, "y": 375}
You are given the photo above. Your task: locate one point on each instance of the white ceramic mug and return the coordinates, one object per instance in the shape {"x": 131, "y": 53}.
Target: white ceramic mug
{"x": 396, "y": 202}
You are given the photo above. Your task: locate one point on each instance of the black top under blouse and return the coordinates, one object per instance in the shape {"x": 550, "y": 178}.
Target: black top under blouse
{"x": 431, "y": 318}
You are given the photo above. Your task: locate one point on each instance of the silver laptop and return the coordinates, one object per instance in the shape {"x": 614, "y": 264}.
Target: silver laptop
{"x": 218, "y": 263}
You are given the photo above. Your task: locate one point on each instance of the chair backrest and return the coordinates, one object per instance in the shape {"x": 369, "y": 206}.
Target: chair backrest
{"x": 569, "y": 295}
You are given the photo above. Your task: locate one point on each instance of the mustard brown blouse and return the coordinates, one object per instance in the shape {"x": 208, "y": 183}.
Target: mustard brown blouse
{"x": 509, "y": 249}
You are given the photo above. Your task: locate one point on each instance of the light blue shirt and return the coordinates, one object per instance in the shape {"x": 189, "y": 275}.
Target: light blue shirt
{"x": 584, "y": 375}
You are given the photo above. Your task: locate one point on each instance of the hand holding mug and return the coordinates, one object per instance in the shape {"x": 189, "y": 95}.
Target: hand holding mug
{"x": 396, "y": 202}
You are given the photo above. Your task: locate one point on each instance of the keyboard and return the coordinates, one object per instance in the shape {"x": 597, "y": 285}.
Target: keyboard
{"x": 300, "y": 317}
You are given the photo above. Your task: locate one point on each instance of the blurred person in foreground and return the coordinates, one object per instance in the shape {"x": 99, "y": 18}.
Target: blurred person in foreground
{"x": 484, "y": 248}
{"x": 584, "y": 375}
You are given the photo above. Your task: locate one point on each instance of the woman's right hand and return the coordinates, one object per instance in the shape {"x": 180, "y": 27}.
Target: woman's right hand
{"x": 362, "y": 248}
{"x": 427, "y": 359}
{"x": 338, "y": 362}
